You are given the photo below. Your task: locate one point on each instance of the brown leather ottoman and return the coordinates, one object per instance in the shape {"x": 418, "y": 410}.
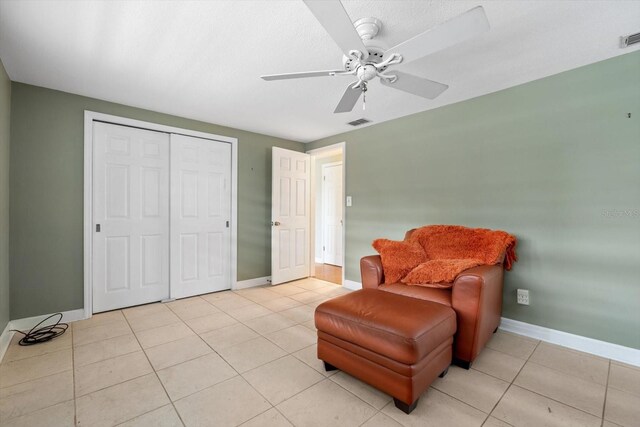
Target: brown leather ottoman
{"x": 395, "y": 343}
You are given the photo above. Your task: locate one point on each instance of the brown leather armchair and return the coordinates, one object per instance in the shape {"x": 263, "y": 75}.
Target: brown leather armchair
{"x": 476, "y": 297}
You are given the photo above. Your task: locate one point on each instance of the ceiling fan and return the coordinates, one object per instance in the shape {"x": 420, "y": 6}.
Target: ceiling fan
{"x": 366, "y": 61}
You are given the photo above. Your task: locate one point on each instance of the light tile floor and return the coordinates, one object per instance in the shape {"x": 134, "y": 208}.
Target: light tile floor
{"x": 249, "y": 358}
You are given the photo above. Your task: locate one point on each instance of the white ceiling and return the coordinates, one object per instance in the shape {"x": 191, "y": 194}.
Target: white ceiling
{"x": 203, "y": 60}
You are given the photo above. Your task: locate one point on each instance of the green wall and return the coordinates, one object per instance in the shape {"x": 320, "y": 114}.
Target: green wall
{"x": 555, "y": 161}
{"x": 47, "y": 195}
{"x": 5, "y": 118}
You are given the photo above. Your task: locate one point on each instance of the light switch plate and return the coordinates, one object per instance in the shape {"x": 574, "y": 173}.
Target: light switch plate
{"x": 349, "y": 201}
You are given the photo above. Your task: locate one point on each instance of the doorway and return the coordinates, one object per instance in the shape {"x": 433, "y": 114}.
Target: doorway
{"x": 328, "y": 210}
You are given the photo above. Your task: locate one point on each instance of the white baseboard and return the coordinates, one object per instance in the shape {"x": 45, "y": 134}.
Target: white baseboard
{"x": 29, "y": 322}
{"x": 258, "y": 281}
{"x": 576, "y": 342}
{"x": 351, "y": 284}
{"x": 319, "y": 260}
{"x": 5, "y": 340}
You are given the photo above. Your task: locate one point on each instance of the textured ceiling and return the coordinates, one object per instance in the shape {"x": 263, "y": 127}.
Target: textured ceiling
{"x": 203, "y": 60}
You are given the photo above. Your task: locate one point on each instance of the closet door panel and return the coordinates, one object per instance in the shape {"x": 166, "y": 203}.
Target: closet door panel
{"x": 200, "y": 215}
{"x": 131, "y": 216}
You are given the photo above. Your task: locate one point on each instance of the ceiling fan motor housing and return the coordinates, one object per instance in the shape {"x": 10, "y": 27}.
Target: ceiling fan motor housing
{"x": 367, "y": 29}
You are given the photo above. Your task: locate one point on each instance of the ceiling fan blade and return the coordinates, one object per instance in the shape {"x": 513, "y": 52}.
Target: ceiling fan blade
{"x": 337, "y": 23}
{"x": 416, "y": 85}
{"x": 287, "y": 76}
{"x": 349, "y": 99}
{"x": 463, "y": 27}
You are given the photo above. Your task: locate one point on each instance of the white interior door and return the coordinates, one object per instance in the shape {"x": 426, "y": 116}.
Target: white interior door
{"x": 200, "y": 216}
{"x": 290, "y": 204}
{"x": 332, "y": 213}
{"x": 130, "y": 216}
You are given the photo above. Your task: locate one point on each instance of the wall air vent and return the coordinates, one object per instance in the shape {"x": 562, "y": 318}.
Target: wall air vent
{"x": 359, "y": 122}
{"x": 631, "y": 39}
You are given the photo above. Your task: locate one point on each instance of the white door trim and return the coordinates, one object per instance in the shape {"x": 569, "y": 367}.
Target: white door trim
{"x": 89, "y": 118}
{"x": 322, "y": 191}
{"x": 319, "y": 152}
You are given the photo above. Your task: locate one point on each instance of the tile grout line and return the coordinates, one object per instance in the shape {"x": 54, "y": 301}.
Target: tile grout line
{"x": 73, "y": 378}
{"x": 44, "y": 376}
{"x": 606, "y": 390}
{"x": 47, "y": 376}
{"x": 6, "y": 362}
{"x": 157, "y": 377}
{"x": 232, "y": 367}
{"x": 512, "y": 381}
{"x": 358, "y": 397}
{"x": 498, "y": 401}
{"x": 283, "y": 416}
{"x": 294, "y": 357}
{"x": 287, "y": 353}
{"x": 132, "y": 332}
{"x": 573, "y": 376}
{"x": 542, "y": 395}
{"x": 557, "y": 401}
{"x": 213, "y": 385}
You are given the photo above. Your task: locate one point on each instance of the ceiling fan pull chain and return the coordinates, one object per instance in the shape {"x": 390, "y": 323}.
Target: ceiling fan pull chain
{"x": 364, "y": 96}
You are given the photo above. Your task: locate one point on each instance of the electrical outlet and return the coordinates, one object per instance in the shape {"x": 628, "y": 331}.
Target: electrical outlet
{"x": 523, "y": 296}
{"x": 349, "y": 201}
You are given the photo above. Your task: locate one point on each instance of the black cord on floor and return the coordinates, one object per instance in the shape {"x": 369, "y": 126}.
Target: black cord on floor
{"x": 46, "y": 333}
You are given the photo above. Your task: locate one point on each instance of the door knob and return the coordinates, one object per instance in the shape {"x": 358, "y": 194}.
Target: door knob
{"x": 277, "y": 223}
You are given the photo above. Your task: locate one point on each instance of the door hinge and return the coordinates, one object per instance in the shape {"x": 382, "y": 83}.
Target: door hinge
{"x": 97, "y": 228}
{"x": 227, "y": 224}
{"x": 323, "y": 248}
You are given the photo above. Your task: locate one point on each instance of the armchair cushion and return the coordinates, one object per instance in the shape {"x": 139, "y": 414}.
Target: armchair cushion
{"x": 439, "y": 273}
{"x": 398, "y": 258}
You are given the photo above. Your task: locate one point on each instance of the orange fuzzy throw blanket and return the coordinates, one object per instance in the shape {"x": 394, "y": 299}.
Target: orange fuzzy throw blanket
{"x": 439, "y": 273}
{"x": 458, "y": 242}
{"x": 451, "y": 249}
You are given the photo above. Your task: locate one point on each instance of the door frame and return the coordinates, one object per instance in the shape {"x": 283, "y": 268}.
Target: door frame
{"x": 322, "y": 194}
{"x": 322, "y": 152}
{"x": 89, "y": 118}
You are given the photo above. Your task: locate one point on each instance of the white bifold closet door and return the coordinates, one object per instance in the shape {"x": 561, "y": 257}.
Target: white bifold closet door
{"x": 200, "y": 216}
{"x": 131, "y": 216}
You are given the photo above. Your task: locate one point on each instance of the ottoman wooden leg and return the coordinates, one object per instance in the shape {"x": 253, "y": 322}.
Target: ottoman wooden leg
{"x": 462, "y": 363}
{"x": 329, "y": 367}
{"x": 407, "y": 409}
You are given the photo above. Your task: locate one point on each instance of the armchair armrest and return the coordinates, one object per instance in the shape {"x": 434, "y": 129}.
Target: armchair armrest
{"x": 477, "y": 299}
{"x": 371, "y": 271}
